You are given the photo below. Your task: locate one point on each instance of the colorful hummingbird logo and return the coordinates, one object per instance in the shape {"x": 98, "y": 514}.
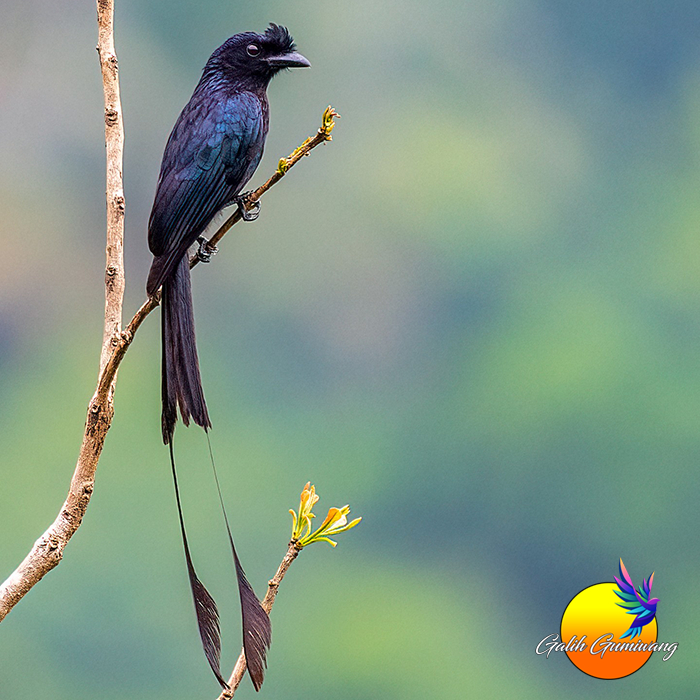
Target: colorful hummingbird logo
{"x": 636, "y": 602}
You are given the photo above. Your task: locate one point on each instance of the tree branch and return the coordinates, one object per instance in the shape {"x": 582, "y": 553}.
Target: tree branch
{"x": 114, "y": 142}
{"x": 267, "y": 603}
{"x": 47, "y": 551}
{"x": 283, "y": 167}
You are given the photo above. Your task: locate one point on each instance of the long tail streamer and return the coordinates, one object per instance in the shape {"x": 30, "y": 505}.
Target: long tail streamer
{"x": 204, "y": 605}
{"x": 257, "y": 631}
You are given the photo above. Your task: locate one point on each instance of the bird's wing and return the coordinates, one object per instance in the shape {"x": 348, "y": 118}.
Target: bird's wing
{"x": 212, "y": 151}
{"x": 636, "y": 603}
{"x": 645, "y": 590}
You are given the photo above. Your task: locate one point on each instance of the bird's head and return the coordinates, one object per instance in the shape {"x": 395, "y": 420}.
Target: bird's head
{"x": 253, "y": 59}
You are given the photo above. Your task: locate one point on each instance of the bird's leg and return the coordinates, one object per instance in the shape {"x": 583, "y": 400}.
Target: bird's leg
{"x": 248, "y": 214}
{"x": 206, "y": 250}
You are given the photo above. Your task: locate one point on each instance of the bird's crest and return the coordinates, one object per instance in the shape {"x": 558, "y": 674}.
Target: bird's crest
{"x": 280, "y": 36}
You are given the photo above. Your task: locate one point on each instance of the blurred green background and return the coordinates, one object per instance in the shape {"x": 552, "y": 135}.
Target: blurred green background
{"x": 475, "y": 317}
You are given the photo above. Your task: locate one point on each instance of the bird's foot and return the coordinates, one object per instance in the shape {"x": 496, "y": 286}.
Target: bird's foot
{"x": 206, "y": 250}
{"x": 248, "y": 214}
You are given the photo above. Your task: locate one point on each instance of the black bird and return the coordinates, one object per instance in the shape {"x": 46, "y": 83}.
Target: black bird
{"x": 213, "y": 150}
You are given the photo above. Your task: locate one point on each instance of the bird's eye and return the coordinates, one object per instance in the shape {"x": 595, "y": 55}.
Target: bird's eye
{"x": 252, "y": 49}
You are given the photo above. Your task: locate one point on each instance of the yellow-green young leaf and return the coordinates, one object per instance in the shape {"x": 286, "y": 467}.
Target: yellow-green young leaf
{"x": 335, "y": 522}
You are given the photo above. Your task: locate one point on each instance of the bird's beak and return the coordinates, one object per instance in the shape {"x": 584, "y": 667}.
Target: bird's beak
{"x": 289, "y": 60}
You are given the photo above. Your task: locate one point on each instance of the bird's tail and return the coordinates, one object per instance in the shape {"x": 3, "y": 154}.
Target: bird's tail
{"x": 204, "y": 605}
{"x": 181, "y": 381}
{"x": 257, "y": 631}
{"x": 182, "y": 387}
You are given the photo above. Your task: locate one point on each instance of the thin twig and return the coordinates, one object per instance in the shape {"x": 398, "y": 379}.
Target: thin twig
{"x": 283, "y": 167}
{"x": 267, "y": 603}
{"x": 48, "y": 549}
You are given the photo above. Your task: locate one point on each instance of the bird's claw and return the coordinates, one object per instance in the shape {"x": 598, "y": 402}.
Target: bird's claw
{"x": 248, "y": 214}
{"x": 206, "y": 250}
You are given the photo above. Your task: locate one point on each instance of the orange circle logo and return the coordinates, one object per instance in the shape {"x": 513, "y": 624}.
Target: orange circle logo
{"x": 596, "y": 628}
{"x": 609, "y": 630}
